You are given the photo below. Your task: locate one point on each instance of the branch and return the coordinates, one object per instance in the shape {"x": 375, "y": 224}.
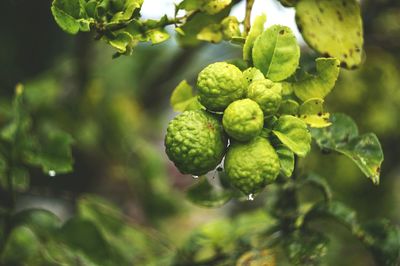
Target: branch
{"x": 249, "y": 7}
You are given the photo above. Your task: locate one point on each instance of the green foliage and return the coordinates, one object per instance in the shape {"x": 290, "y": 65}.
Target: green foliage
{"x": 265, "y": 137}
{"x": 365, "y": 150}
{"x": 24, "y": 145}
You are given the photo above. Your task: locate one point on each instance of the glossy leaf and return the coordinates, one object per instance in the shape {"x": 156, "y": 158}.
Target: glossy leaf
{"x": 293, "y": 133}
{"x": 342, "y": 136}
{"x": 276, "y": 53}
{"x": 256, "y": 29}
{"x": 204, "y": 194}
{"x": 318, "y": 85}
{"x": 333, "y": 28}
{"x": 286, "y": 159}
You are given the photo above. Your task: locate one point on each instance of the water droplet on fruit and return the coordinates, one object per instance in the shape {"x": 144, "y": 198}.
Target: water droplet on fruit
{"x": 195, "y": 176}
{"x": 52, "y": 173}
{"x": 250, "y": 197}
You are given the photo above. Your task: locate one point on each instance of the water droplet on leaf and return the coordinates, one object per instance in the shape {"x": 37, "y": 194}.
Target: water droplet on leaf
{"x": 52, "y": 173}
{"x": 250, "y": 197}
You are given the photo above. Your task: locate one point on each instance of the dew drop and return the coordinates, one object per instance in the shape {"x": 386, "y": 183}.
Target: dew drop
{"x": 250, "y": 197}
{"x": 52, "y": 173}
{"x": 195, "y": 176}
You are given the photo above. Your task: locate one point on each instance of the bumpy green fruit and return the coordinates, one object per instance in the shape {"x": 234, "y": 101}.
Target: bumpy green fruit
{"x": 195, "y": 142}
{"x": 253, "y": 74}
{"x": 243, "y": 120}
{"x": 230, "y": 27}
{"x": 267, "y": 94}
{"x": 220, "y": 84}
{"x": 251, "y": 166}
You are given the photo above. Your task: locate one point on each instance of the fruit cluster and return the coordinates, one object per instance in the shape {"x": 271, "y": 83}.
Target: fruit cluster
{"x": 235, "y": 106}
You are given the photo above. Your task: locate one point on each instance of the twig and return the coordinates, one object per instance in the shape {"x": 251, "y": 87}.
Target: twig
{"x": 249, "y": 7}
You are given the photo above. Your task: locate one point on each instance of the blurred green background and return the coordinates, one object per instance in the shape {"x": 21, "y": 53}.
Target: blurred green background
{"x": 117, "y": 112}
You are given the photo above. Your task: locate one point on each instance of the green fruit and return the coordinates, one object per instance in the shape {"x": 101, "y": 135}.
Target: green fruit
{"x": 230, "y": 27}
{"x": 243, "y": 120}
{"x": 267, "y": 94}
{"x": 220, "y": 84}
{"x": 195, "y": 142}
{"x": 253, "y": 74}
{"x": 251, "y": 166}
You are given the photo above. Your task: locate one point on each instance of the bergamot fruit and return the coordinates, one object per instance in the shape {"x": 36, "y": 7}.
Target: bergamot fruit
{"x": 220, "y": 84}
{"x": 251, "y": 166}
{"x": 243, "y": 119}
{"x": 253, "y": 74}
{"x": 267, "y": 94}
{"x": 195, "y": 142}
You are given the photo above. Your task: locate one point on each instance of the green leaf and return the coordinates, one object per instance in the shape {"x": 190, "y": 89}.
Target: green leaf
{"x": 214, "y": 6}
{"x": 293, "y": 133}
{"x": 342, "y": 136}
{"x": 385, "y": 244}
{"x": 51, "y": 151}
{"x": 128, "y": 11}
{"x": 84, "y": 236}
{"x": 256, "y": 29}
{"x": 320, "y": 183}
{"x": 312, "y": 112}
{"x": 67, "y": 13}
{"x": 123, "y": 42}
{"x": 286, "y": 159}
{"x": 20, "y": 179}
{"x": 157, "y": 35}
{"x": 204, "y": 194}
{"x": 22, "y": 248}
{"x": 182, "y": 97}
{"x": 276, "y": 53}
{"x": 120, "y": 233}
{"x": 212, "y": 33}
{"x": 336, "y": 210}
{"x": 43, "y": 222}
{"x": 320, "y": 84}
{"x": 195, "y": 23}
{"x": 333, "y": 28}
{"x": 288, "y": 107}
{"x": 306, "y": 247}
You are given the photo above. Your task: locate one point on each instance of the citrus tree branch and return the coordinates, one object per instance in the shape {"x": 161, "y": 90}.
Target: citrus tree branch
{"x": 249, "y": 7}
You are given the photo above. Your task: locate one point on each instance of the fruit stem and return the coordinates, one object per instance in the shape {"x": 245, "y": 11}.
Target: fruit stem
{"x": 247, "y": 23}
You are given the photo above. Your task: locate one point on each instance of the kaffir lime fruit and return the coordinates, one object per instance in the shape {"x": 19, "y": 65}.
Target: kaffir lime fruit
{"x": 220, "y": 84}
{"x": 267, "y": 94}
{"x": 243, "y": 119}
{"x": 195, "y": 142}
{"x": 252, "y": 165}
{"x": 253, "y": 74}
